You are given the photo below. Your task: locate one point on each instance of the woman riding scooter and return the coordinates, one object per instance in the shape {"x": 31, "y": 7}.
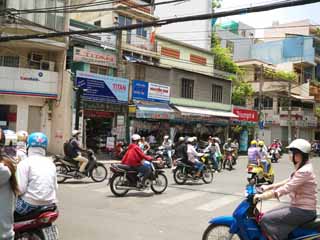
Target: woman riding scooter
{"x": 301, "y": 186}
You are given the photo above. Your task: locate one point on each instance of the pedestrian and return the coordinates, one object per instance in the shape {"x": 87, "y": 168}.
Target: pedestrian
{"x": 8, "y": 191}
{"x": 144, "y": 145}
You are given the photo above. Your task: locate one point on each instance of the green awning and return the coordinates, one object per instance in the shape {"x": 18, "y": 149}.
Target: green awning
{"x": 201, "y": 104}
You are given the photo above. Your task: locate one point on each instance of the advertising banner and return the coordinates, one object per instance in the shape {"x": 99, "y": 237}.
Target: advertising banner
{"x": 150, "y": 91}
{"x": 93, "y": 57}
{"x": 102, "y": 88}
{"x": 246, "y": 115}
{"x": 244, "y": 135}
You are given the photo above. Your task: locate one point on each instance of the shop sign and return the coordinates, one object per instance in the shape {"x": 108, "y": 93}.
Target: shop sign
{"x": 12, "y": 117}
{"x": 102, "y": 88}
{"x": 110, "y": 143}
{"x": 150, "y": 91}
{"x": 98, "y": 114}
{"x": 93, "y": 57}
{"x": 120, "y": 120}
{"x": 246, "y": 115}
{"x": 154, "y": 115}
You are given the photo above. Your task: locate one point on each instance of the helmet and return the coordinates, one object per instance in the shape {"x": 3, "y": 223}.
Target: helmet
{"x": 261, "y": 143}
{"x": 37, "y": 139}
{"x": 75, "y": 132}
{"x": 22, "y": 136}
{"x": 300, "y": 144}
{"x": 181, "y": 139}
{"x": 190, "y": 140}
{"x": 166, "y": 137}
{"x": 229, "y": 140}
{"x": 135, "y": 137}
{"x": 253, "y": 142}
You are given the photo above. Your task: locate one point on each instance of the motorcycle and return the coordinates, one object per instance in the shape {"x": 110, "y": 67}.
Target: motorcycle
{"x": 124, "y": 179}
{"x": 120, "y": 150}
{"x": 163, "y": 154}
{"x": 67, "y": 168}
{"x": 244, "y": 223}
{"x": 274, "y": 155}
{"x": 228, "y": 160}
{"x": 38, "y": 224}
{"x": 255, "y": 173}
{"x": 184, "y": 172}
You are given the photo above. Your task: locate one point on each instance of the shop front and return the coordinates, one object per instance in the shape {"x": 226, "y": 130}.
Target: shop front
{"x": 104, "y": 110}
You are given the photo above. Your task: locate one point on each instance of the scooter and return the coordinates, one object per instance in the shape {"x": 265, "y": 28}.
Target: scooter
{"x": 37, "y": 224}
{"x": 274, "y": 155}
{"x": 256, "y": 173}
{"x": 228, "y": 159}
{"x": 244, "y": 223}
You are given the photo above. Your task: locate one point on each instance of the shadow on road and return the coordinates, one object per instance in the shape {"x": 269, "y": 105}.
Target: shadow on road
{"x": 135, "y": 194}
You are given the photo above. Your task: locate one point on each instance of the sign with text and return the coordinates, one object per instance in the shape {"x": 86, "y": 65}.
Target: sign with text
{"x": 150, "y": 91}
{"x": 246, "y": 115}
{"x": 93, "y": 57}
{"x": 102, "y": 88}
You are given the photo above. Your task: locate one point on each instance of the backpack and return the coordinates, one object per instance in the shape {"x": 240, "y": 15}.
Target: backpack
{"x": 68, "y": 149}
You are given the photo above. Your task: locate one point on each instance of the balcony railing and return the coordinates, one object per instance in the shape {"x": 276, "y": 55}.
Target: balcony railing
{"x": 28, "y": 82}
{"x": 136, "y": 5}
{"x": 138, "y": 42}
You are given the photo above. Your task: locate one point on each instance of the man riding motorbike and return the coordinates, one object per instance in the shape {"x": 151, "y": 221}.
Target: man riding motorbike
{"x": 21, "y": 148}
{"x": 167, "y": 145}
{"x": 263, "y": 156}
{"x": 193, "y": 156}
{"x": 135, "y": 157}
{"x": 212, "y": 149}
{"x": 301, "y": 186}
{"x": 76, "y": 151}
{"x": 36, "y": 175}
{"x": 181, "y": 149}
{"x": 254, "y": 156}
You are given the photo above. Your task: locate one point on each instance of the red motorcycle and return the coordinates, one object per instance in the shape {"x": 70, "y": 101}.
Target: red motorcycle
{"x": 228, "y": 159}
{"x": 37, "y": 225}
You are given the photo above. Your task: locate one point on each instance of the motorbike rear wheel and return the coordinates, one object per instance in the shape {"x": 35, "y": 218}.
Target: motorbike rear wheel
{"x": 218, "y": 231}
{"x": 160, "y": 184}
{"x": 116, "y": 181}
{"x": 61, "y": 169}
{"x": 229, "y": 163}
{"x": 179, "y": 177}
{"x": 99, "y": 173}
{"x": 207, "y": 176}
{"x": 30, "y": 236}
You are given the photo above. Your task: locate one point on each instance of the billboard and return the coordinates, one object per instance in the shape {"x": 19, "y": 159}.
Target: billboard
{"x": 150, "y": 91}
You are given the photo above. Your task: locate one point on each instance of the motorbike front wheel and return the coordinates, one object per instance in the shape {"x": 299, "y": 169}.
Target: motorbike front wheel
{"x": 61, "y": 170}
{"x": 115, "y": 185}
{"x": 99, "y": 173}
{"x": 179, "y": 177}
{"x": 216, "y": 231}
{"x": 207, "y": 176}
{"x": 160, "y": 184}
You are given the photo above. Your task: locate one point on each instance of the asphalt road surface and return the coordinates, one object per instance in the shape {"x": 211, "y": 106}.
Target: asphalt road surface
{"x": 89, "y": 210}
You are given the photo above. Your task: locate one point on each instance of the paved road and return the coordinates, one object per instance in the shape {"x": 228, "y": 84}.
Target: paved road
{"x": 90, "y": 211}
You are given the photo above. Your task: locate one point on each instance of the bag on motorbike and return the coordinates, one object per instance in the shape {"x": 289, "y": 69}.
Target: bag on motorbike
{"x": 68, "y": 149}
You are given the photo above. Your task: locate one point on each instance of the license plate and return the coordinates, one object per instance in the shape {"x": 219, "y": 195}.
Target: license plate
{"x": 249, "y": 175}
{"x": 50, "y": 233}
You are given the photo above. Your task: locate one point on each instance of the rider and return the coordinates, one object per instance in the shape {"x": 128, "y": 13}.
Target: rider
{"x": 226, "y": 146}
{"x": 263, "y": 156}
{"x": 21, "y": 148}
{"x": 167, "y": 145}
{"x": 193, "y": 156}
{"x": 254, "y": 154}
{"x": 135, "y": 157}
{"x": 76, "y": 151}
{"x": 181, "y": 149}
{"x": 212, "y": 149}
{"x": 37, "y": 179}
{"x": 301, "y": 186}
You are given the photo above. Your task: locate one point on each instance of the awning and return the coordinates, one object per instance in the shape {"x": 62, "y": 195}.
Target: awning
{"x": 303, "y": 98}
{"x": 155, "y": 111}
{"x": 204, "y": 112}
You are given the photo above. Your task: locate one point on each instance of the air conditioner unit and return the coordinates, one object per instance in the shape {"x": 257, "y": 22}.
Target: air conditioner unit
{"x": 36, "y": 57}
{"x": 47, "y": 65}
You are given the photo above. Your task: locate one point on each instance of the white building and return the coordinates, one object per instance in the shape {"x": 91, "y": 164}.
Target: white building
{"x": 35, "y": 89}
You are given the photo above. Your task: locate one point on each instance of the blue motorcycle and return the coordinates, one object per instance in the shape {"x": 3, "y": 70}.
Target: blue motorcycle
{"x": 244, "y": 224}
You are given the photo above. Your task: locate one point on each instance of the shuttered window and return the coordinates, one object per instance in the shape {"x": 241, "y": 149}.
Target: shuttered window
{"x": 216, "y": 93}
{"x": 187, "y": 88}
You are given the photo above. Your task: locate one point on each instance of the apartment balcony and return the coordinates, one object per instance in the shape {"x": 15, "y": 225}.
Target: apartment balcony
{"x": 297, "y": 111}
{"x": 28, "y": 82}
{"x": 136, "y": 8}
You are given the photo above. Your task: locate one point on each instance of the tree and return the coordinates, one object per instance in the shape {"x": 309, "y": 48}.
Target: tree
{"x": 241, "y": 90}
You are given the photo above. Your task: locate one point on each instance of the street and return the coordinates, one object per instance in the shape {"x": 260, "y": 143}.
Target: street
{"x": 90, "y": 211}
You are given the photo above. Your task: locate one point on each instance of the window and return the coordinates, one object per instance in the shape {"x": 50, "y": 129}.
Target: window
{"x": 124, "y": 21}
{"x": 267, "y": 103}
{"x": 3, "y": 4}
{"x": 97, "y": 23}
{"x": 187, "y": 88}
{"x": 9, "y": 61}
{"x": 99, "y": 69}
{"x": 141, "y": 31}
{"x": 216, "y": 93}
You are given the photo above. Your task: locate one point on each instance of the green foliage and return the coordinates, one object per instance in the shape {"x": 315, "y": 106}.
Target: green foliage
{"x": 280, "y": 75}
{"x": 216, "y": 4}
{"x": 241, "y": 91}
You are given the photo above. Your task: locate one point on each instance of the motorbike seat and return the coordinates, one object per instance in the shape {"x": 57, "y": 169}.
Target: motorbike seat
{"x": 35, "y": 213}
{"x": 314, "y": 224}
{"x": 125, "y": 168}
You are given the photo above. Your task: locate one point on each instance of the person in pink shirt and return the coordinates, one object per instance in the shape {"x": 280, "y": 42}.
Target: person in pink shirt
{"x": 301, "y": 187}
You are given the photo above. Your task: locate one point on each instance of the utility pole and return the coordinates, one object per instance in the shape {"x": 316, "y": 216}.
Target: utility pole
{"x": 260, "y": 95}
{"x": 79, "y": 92}
{"x": 119, "y": 52}
{"x": 289, "y": 113}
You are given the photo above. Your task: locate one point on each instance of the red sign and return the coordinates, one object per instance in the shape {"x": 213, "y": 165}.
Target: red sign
{"x": 12, "y": 117}
{"x": 246, "y": 115}
{"x": 98, "y": 114}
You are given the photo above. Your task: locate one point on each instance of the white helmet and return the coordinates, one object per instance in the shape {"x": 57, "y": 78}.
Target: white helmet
{"x": 166, "y": 137}
{"x": 190, "y": 140}
{"x": 181, "y": 139}
{"x": 22, "y": 136}
{"x": 135, "y": 137}
{"x": 75, "y": 132}
{"x": 300, "y": 144}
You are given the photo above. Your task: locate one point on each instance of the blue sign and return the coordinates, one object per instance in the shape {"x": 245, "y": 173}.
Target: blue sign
{"x": 102, "y": 88}
{"x": 150, "y": 91}
{"x": 243, "y": 143}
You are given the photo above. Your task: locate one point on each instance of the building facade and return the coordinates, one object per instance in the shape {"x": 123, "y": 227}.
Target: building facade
{"x": 35, "y": 88}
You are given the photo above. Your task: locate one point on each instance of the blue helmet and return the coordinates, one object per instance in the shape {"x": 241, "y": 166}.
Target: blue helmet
{"x": 37, "y": 139}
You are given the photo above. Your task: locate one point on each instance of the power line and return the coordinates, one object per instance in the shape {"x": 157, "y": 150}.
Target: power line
{"x": 160, "y": 22}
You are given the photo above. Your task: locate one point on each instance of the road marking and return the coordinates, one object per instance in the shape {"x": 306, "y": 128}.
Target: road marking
{"x": 218, "y": 203}
{"x": 181, "y": 198}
